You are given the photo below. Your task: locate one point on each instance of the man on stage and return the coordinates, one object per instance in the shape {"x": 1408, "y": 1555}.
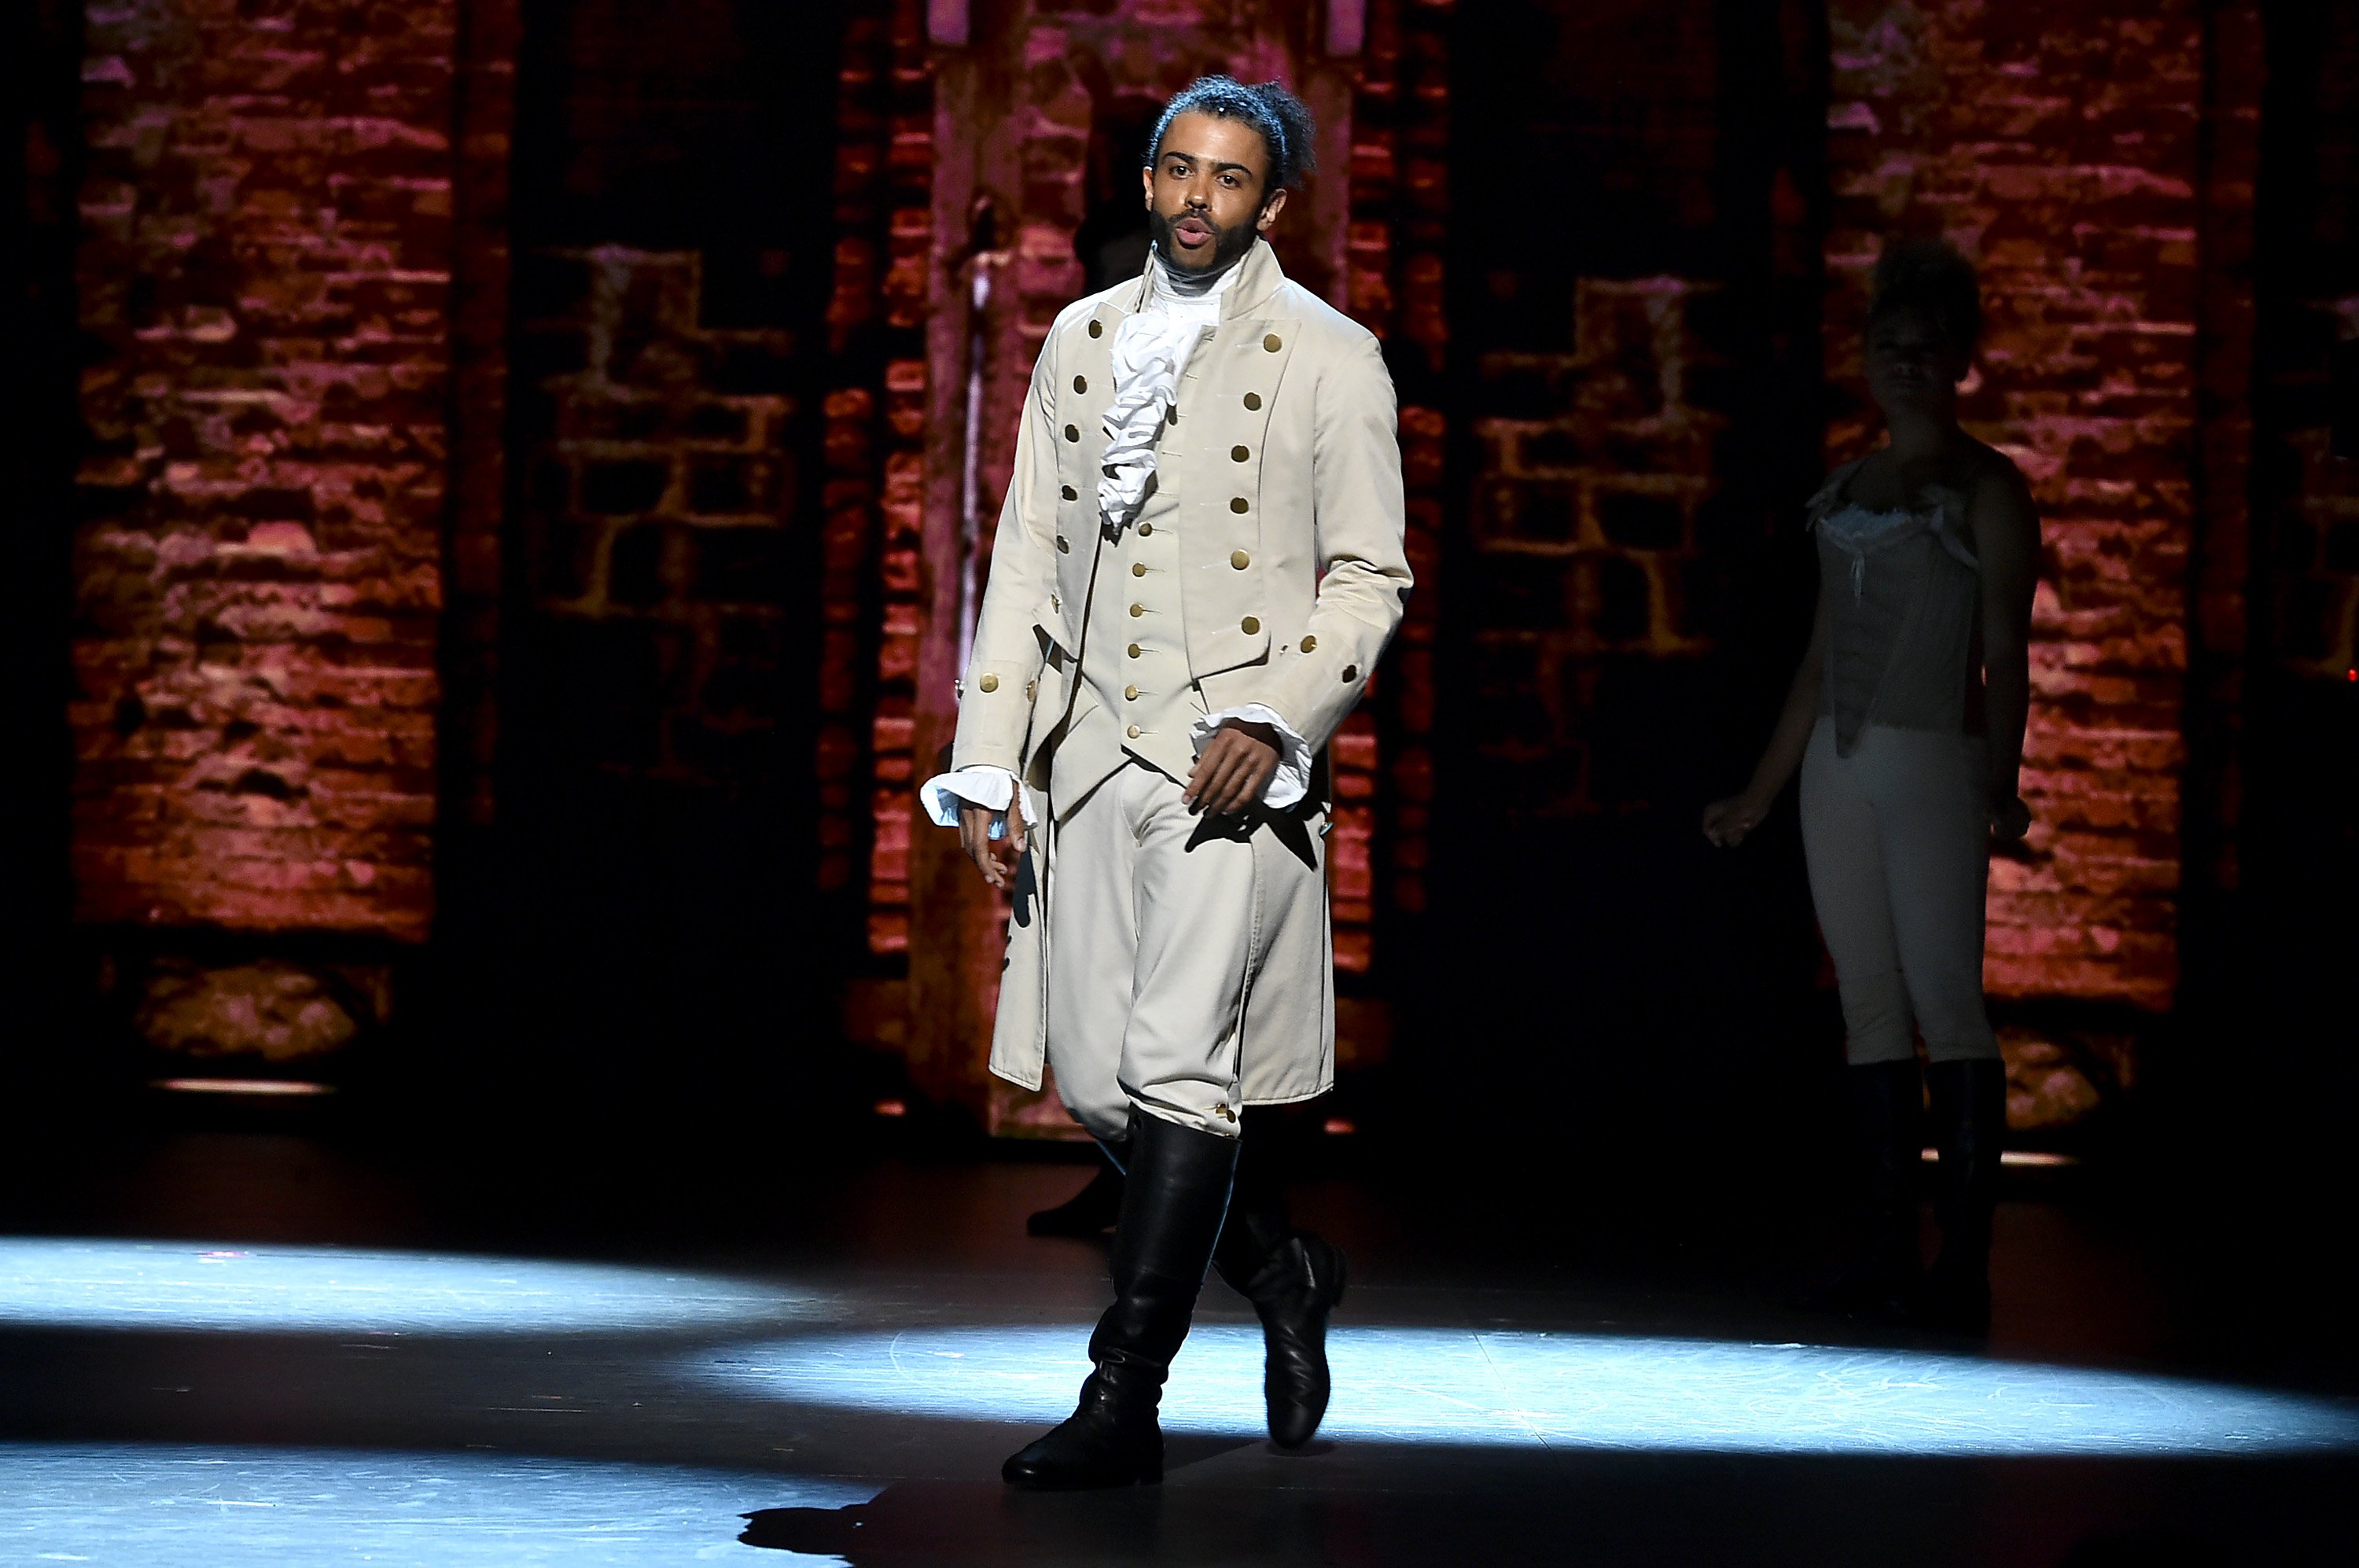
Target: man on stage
{"x": 1198, "y": 564}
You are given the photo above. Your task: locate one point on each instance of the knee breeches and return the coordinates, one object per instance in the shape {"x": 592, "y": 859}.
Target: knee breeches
{"x": 1896, "y": 835}
{"x": 1159, "y": 923}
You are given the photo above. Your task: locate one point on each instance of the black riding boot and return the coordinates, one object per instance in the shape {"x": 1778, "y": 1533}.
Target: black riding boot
{"x": 1090, "y": 1212}
{"x": 1970, "y": 1132}
{"x": 1292, "y": 1277}
{"x": 1885, "y": 1272}
{"x": 1175, "y": 1194}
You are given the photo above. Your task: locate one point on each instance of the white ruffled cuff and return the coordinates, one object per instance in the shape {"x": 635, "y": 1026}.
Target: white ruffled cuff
{"x": 1292, "y": 780}
{"x": 991, "y": 787}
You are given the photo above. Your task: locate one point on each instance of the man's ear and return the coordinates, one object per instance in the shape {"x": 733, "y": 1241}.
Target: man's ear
{"x": 1270, "y": 210}
{"x": 1146, "y": 184}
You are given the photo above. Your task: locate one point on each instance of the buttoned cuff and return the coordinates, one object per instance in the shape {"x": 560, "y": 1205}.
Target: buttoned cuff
{"x": 1292, "y": 780}
{"x": 990, "y": 788}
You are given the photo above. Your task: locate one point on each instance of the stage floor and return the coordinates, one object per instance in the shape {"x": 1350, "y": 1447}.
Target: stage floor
{"x": 248, "y": 1347}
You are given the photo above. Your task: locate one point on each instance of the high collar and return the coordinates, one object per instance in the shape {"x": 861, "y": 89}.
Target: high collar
{"x": 1257, "y": 277}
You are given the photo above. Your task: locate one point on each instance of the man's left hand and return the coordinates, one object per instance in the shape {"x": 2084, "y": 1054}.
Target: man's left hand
{"x": 1234, "y": 768}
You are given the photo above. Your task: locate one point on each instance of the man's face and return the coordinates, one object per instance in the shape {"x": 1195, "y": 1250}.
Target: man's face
{"x": 1205, "y": 192}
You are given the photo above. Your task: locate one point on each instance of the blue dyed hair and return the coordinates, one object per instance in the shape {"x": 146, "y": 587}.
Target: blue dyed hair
{"x": 1283, "y": 120}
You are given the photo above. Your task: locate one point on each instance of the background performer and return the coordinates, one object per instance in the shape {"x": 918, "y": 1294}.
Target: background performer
{"x": 1906, "y": 719}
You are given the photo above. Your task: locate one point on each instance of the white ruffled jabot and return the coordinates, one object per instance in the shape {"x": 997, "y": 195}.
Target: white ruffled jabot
{"x": 1150, "y": 353}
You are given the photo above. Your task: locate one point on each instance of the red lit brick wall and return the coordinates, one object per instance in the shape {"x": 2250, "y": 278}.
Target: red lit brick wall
{"x": 2059, "y": 148}
{"x": 265, "y": 284}
{"x": 1396, "y": 277}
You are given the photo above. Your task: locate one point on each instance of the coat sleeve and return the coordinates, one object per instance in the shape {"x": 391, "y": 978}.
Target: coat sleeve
{"x": 1359, "y": 515}
{"x": 1003, "y": 672}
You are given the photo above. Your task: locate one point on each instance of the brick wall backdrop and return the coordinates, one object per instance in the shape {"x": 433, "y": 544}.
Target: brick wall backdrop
{"x": 659, "y": 461}
{"x": 264, "y": 282}
{"x": 2059, "y": 148}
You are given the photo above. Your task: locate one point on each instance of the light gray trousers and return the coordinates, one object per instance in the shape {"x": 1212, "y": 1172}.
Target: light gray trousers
{"x": 1162, "y": 922}
{"x": 1898, "y": 839}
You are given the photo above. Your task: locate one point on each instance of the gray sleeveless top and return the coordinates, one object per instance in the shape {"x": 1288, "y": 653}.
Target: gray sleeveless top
{"x": 1904, "y": 590}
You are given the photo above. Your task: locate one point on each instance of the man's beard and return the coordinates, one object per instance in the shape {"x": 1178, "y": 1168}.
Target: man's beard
{"x": 1228, "y": 244}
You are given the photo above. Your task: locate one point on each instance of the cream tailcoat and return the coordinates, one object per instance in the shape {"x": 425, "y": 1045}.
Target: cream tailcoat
{"x": 1283, "y": 459}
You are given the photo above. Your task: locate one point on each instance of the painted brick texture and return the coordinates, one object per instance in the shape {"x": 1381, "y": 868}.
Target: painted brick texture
{"x": 2059, "y": 148}
{"x": 657, "y": 521}
{"x": 1584, "y": 520}
{"x": 264, "y": 279}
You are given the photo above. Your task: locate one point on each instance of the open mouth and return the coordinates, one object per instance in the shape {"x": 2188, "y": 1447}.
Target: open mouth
{"x": 1192, "y": 230}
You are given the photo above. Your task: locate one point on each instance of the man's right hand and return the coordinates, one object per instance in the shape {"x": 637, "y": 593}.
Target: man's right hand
{"x": 995, "y": 857}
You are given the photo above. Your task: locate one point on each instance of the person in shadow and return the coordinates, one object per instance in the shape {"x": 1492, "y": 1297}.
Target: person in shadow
{"x": 1906, "y": 719}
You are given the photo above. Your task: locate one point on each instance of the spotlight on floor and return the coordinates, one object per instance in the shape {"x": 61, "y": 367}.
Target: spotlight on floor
{"x": 243, "y": 1287}
{"x": 196, "y": 1506}
{"x": 1567, "y": 1391}
{"x": 266, "y": 1086}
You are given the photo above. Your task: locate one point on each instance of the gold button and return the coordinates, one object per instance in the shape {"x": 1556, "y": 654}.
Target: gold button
{"x": 1031, "y": 688}
{"x": 1138, "y": 569}
{"x": 989, "y": 682}
{"x": 1250, "y": 624}
{"x": 1080, "y": 383}
{"x": 1241, "y": 506}
{"x": 1173, "y": 417}
{"x": 1238, "y": 454}
{"x": 1131, "y": 692}
{"x": 1273, "y": 343}
{"x": 1350, "y": 673}
{"x": 1145, "y": 529}
{"x": 1239, "y": 560}
{"x": 1133, "y": 650}
{"x": 1311, "y": 645}
{"x": 1073, "y": 432}
{"x": 1133, "y": 731}
{"x": 1064, "y": 544}
{"x": 1054, "y": 602}
{"x": 1097, "y": 329}
{"x": 1137, "y": 611}
{"x": 1071, "y": 493}
{"x": 1253, "y": 399}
